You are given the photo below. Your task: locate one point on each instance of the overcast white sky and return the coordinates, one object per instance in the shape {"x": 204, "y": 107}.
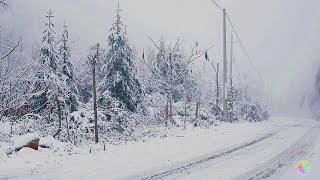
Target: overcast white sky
{"x": 282, "y": 36}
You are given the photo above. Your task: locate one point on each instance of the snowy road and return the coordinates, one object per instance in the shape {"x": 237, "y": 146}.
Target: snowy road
{"x": 287, "y": 160}
{"x": 228, "y": 151}
{"x": 267, "y": 157}
{"x": 190, "y": 166}
{"x": 311, "y": 154}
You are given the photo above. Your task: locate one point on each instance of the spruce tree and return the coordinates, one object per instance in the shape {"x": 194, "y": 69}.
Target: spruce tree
{"x": 47, "y": 60}
{"x": 117, "y": 69}
{"x": 48, "y": 55}
{"x": 67, "y": 72}
{"x": 50, "y": 93}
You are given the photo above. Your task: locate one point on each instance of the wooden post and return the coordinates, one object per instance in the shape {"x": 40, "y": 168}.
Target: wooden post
{"x": 217, "y": 84}
{"x": 167, "y": 112}
{"x": 231, "y": 80}
{"x": 94, "y": 62}
{"x": 185, "y": 114}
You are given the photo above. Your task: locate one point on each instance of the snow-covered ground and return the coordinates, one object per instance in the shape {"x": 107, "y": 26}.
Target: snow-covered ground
{"x": 136, "y": 160}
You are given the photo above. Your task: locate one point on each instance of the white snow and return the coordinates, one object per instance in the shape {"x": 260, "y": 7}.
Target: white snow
{"x": 48, "y": 142}
{"x": 20, "y": 141}
{"x": 4, "y": 128}
{"x": 313, "y": 156}
{"x": 136, "y": 158}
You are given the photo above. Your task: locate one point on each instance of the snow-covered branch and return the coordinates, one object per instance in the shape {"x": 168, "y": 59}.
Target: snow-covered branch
{"x": 11, "y": 50}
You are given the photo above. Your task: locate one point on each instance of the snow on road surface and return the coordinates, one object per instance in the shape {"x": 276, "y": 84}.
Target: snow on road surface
{"x": 138, "y": 160}
{"x": 265, "y": 159}
{"x": 230, "y": 165}
{"x": 311, "y": 154}
{"x": 284, "y": 161}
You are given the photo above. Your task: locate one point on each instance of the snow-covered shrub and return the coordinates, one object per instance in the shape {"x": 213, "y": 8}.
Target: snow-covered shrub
{"x": 115, "y": 122}
{"x": 255, "y": 112}
{"x": 205, "y": 118}
{"x": 153, "y": 106}
{"x": 29, "y": 123}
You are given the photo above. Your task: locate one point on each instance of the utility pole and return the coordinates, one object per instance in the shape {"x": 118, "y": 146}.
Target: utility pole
{"x": 231, "y": 59}
{"x": 217, "y": 84}
{"x": 225, "y": 111}
{"x": 231, "y": 81}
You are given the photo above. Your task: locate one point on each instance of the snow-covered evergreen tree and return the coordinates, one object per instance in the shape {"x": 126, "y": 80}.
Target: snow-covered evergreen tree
{"x": 117, "y": 70}
{"x": 67, "y": 72}
{"x": 48, "y": 56}
{"x": 47, "y": 60}
{"x": 65, "y": 60}
{"x": 50, "y": 93}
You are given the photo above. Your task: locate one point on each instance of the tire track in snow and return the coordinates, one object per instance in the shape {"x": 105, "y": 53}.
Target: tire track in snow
{"x": 192, "y": 164}
{"x": 280, "y": 161}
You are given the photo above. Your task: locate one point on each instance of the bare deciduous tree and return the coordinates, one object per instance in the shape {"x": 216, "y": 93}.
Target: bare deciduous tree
{"x": 93, "y": 58}
{"x": 173, "y": 73}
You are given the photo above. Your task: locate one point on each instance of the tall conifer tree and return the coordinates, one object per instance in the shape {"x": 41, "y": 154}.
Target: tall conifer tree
{"x": 67, "y": 72}
{"x": 117, "y": 69}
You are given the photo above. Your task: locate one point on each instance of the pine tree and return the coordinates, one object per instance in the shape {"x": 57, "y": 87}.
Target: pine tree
{"x": 67, "y": 72}
{"x": 117, "y": 69}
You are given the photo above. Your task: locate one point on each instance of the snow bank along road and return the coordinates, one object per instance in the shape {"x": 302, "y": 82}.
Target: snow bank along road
{"x": 228, "y": 151}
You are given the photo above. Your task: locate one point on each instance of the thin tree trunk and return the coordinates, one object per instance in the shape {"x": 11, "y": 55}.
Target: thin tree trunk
{"x": 95, "y": 105}
{"x": 171, "y": 86}
{"x": 170, "y": 111}
{"x": 59, "y": 114}
{"x": 167, "y": 112}
{"x": 11, "y": 127}
{"x": 68, "y": 132}
{"x": 185, "y": 114}
{"x": 197, "y": 109}
{"x": 95, "y": 96}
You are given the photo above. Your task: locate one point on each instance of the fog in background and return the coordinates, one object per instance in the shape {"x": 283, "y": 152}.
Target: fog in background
{"x": 281, "y": 36}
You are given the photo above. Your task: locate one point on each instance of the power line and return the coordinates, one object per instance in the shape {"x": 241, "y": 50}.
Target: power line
{"x": 218, "y": 6}
{"x": 239, "y": 39}
{"x": 244, "y": 49}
